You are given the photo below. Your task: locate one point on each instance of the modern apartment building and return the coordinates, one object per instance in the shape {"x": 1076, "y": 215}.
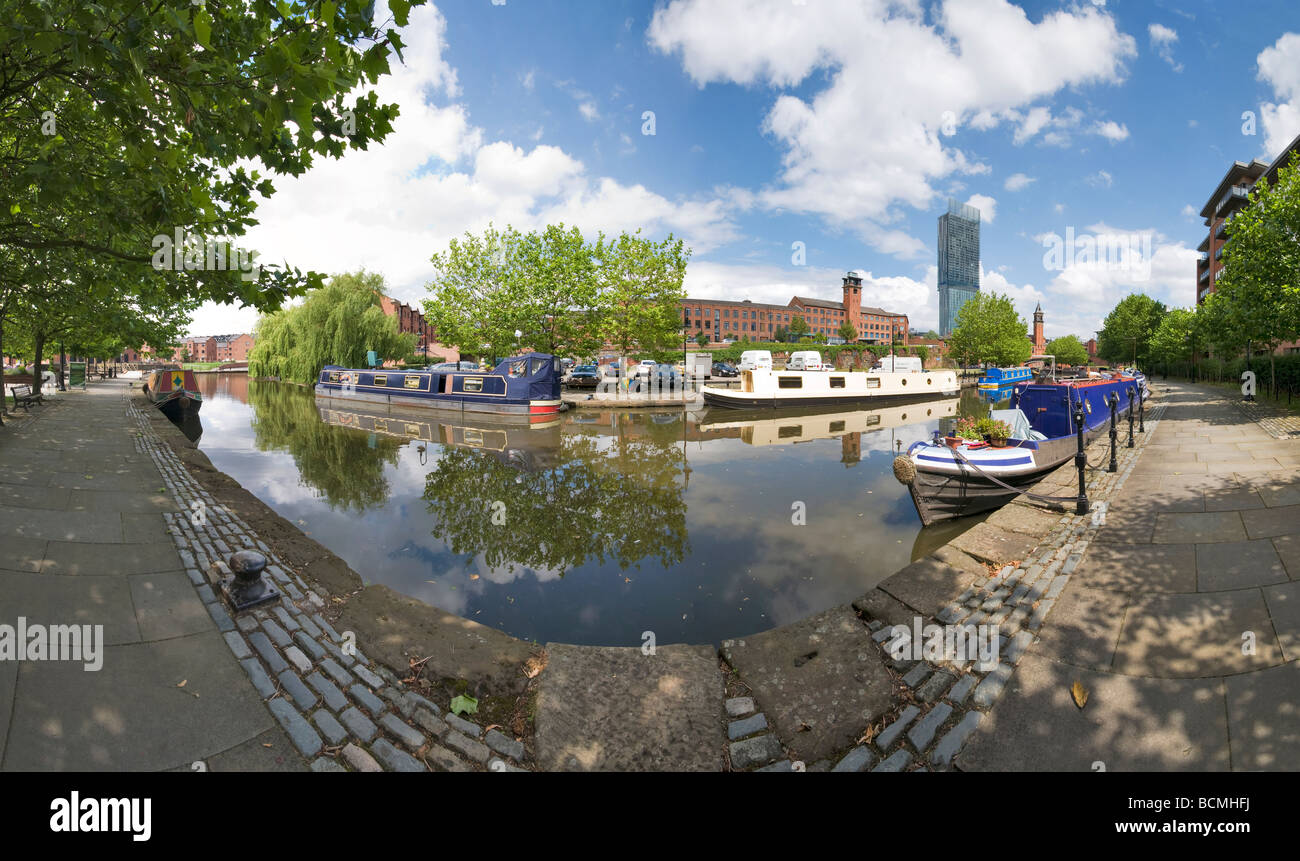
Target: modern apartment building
{"x": 1230, "y": 196}
{"x": 959, "y": 261}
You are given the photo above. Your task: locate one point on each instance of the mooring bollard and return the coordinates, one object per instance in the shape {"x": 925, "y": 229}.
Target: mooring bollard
{"x": 1142, "y": 428}
{"x": 1130, "y": 417}
{"x": 245, "y": 587}
{"x": 1080, "y": 460}
{"x": 1113, "y": 401}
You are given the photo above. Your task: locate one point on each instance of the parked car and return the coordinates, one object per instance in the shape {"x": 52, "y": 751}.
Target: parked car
{"x": 583, "y": 377}
{"x": 664, "y": 376}
{"x": 646, "y": 367}
{"x": 722, "y": 369}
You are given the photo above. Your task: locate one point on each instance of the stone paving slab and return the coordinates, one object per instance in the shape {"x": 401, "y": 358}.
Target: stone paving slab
{"x": 1264, "y": 719}
{"x": 820, "y": 680}
{"x": 988, "y": 543}
{"x": 1195, "y": 635}
{"x": 617, "y": 709}
{"x": 1128, "y": 723}
{"x": 45, "y": 599}
{"x": 1129, "y": 568}
{"x": 131, "y": 715}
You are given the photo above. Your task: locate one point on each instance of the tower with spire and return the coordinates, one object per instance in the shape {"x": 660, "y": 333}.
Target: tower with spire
{"x": 1040, "y": 343}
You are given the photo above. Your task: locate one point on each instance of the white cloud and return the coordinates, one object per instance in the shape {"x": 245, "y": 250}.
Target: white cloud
{"x": 1111, "y": 130}
{"x": 1279, "y": 66}
{"x": 1101, "y": 179}
{"x": 589, "y": 111}
{"x": 853, "y": 151}
{"x": 987, "y": 206}
{"x": 1162, "y": 42}
{"x": 390, "y": 208}
{"x": 528, "y": 81}
{"x": 1018, "y": 182}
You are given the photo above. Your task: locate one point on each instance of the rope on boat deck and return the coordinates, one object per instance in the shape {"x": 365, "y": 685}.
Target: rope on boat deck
{"x": 1001, "y": 483}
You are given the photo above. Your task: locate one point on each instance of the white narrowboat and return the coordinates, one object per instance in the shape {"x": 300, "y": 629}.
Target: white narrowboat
{"x": 766, "y": 388}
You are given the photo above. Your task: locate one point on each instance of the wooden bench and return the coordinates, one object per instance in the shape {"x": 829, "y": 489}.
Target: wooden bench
{"x": 23, "y": 397}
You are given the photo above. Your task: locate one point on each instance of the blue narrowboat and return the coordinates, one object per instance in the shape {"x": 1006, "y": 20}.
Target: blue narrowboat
{"x": 997, "y": 383}
{"x": 524, "y": 388}
{"x": 949, "y": 480}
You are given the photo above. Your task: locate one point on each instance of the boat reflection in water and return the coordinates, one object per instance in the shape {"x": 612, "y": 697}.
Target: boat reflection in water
{"x": 764, "y": 427}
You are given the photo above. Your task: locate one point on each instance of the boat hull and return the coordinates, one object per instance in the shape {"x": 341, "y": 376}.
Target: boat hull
{"x": 743, "y": 401}
{"x": 766, "y": 389}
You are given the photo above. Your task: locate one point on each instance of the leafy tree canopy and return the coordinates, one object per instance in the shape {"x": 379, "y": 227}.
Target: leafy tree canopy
{"x": 989, "y": 330}
{"x": 1068, "y": 350}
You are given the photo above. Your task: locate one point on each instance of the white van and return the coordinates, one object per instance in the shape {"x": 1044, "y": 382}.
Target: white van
{"x": 753, "y": 360}
{"x": 805, "y": 360}
{"x": 899, "y": 364}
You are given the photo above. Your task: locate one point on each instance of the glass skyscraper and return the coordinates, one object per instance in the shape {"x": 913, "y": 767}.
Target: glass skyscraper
{"x": 959, "y": 261}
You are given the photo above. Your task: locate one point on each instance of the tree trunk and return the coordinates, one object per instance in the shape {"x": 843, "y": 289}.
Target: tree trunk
{"x": 39, "y": 348}
{"x": 63, "y": 364}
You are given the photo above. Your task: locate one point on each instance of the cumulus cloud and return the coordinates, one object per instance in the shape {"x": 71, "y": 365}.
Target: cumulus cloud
{"x": 854, "y": 151}
{"x": 436, "y": 176}
{"x": 1279, "y": 67}
{"x": 1162, "y": 42}
{"x": 987, "y": 206}
{"x": 1018, "y": 182}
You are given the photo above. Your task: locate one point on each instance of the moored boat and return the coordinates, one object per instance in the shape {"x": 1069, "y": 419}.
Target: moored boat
{"x": 767, "y": 388}
{"x": 998, "y": 383}
{"x": 971, "y": 478}
{"x": 173, "y": 391}
{"x": 784, "y": 427}
{"x": 524, "y": 388}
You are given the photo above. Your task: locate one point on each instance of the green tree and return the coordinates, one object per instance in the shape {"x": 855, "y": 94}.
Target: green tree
{"x": 336, "y": 325}
{"x": 1174, "y": 338}
{"x": 1259, "y": 287}
{"x": 1126, "y": 334}
{"x": 989, "y": 330}
{"x": 1068, "y": 350}
{"x": 847, "y": 332}
{"x": 798, "y": 326}
{"x": 640, "y": 290}
{"x": 922, "y": 352}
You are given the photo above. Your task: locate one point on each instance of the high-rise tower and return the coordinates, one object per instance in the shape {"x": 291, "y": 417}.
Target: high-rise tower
{"x": 1040, "y": 342}
{"x": 959, "y": 261}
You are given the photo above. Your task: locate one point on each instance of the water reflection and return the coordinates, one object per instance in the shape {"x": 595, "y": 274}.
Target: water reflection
{"x": 597, "y": 527}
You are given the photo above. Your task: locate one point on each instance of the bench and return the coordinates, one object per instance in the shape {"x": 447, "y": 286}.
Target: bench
{"x": 23, "y": 397}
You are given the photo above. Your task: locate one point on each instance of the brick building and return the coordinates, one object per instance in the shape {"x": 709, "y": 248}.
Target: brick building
{"x": 411, "y": 321}
{"x": 1231, "y": 196}
{"x": 729, "y": 319}
{"x": 233, "y": 348}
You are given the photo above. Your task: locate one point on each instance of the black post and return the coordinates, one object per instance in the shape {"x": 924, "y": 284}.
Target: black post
{"x": 1080, "y": 461}
{"x": 1130, "y": 417}
{"x": 1142, "y": 427}
{"x": 1113, "y": 401}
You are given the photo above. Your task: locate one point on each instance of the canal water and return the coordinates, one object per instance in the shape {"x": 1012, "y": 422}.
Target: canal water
{"x": 597, "y": 528}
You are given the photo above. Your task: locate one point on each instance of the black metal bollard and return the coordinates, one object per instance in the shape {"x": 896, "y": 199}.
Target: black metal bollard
{"x": 1142, "y": 428}
{"x": 1130, "y": 417}
{"x": 1080, "y": 461}
{"x": 245, "y": 586}
{"x": 1113, "y": 401}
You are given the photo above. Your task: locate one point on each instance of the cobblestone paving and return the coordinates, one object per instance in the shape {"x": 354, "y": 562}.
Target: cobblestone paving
{"x": 1278, "y": 423}
{"x": 343, "y": 711}
{"x": 947, "y": 700}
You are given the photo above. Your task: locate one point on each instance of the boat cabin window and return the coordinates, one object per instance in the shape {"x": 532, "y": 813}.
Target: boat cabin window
{"x": 873, "y": 382}
{"x": 411, "y": 381}
{"x": 381, "y": 379}
{"x": 475, "y": 384}
{"x": 517, "y": 369}
{"x": 789, "y": 382}
{"x": 789, "y": 431}
{"x": 837, "y": 427}
{"x": 837, "y": 382}
{"x": 334, "y": 376}
{"x": 538, "y": 365}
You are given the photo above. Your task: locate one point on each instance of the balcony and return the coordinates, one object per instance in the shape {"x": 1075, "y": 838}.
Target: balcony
{"x": 1204, "y": 277}
{"x": 1203, "y": 256}
{"x": 1235, "y": 196}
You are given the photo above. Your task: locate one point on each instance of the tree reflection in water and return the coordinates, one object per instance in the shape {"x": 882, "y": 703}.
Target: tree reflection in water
{"x": 346, "y": 467}
{"x": 613, "y": 495}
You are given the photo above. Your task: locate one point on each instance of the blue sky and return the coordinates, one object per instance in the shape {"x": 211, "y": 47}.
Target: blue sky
{"x": 839, "y": 124}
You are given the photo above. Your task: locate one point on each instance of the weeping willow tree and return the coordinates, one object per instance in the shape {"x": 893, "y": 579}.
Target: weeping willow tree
{"x": 337, "y": 325}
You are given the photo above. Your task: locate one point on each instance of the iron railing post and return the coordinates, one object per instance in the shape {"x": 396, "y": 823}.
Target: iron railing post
{"x": 1130, "y": 417}
{"x": 1080, "y": 461}
{"x": 1113, "y": 401}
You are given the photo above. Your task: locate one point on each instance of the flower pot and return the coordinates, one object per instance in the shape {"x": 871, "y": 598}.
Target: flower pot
{"x": 953, "y": 441}
{"x": 995, "y": 442}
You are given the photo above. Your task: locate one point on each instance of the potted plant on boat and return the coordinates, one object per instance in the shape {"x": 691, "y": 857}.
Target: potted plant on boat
{"x": 997, "y": 432}
{"x": 965, "y": 431}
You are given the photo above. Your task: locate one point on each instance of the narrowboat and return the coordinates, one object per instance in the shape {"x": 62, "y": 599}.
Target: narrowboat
{"x": 764, "y": 427}
{"x": 533, "y": 446}
{"x": 173, "y": 391}
{"x": 524, "y": 388}
{"x": 767, "y": 388}
{"x": 947, "y": 482}
{"x": 997, "y": 383}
